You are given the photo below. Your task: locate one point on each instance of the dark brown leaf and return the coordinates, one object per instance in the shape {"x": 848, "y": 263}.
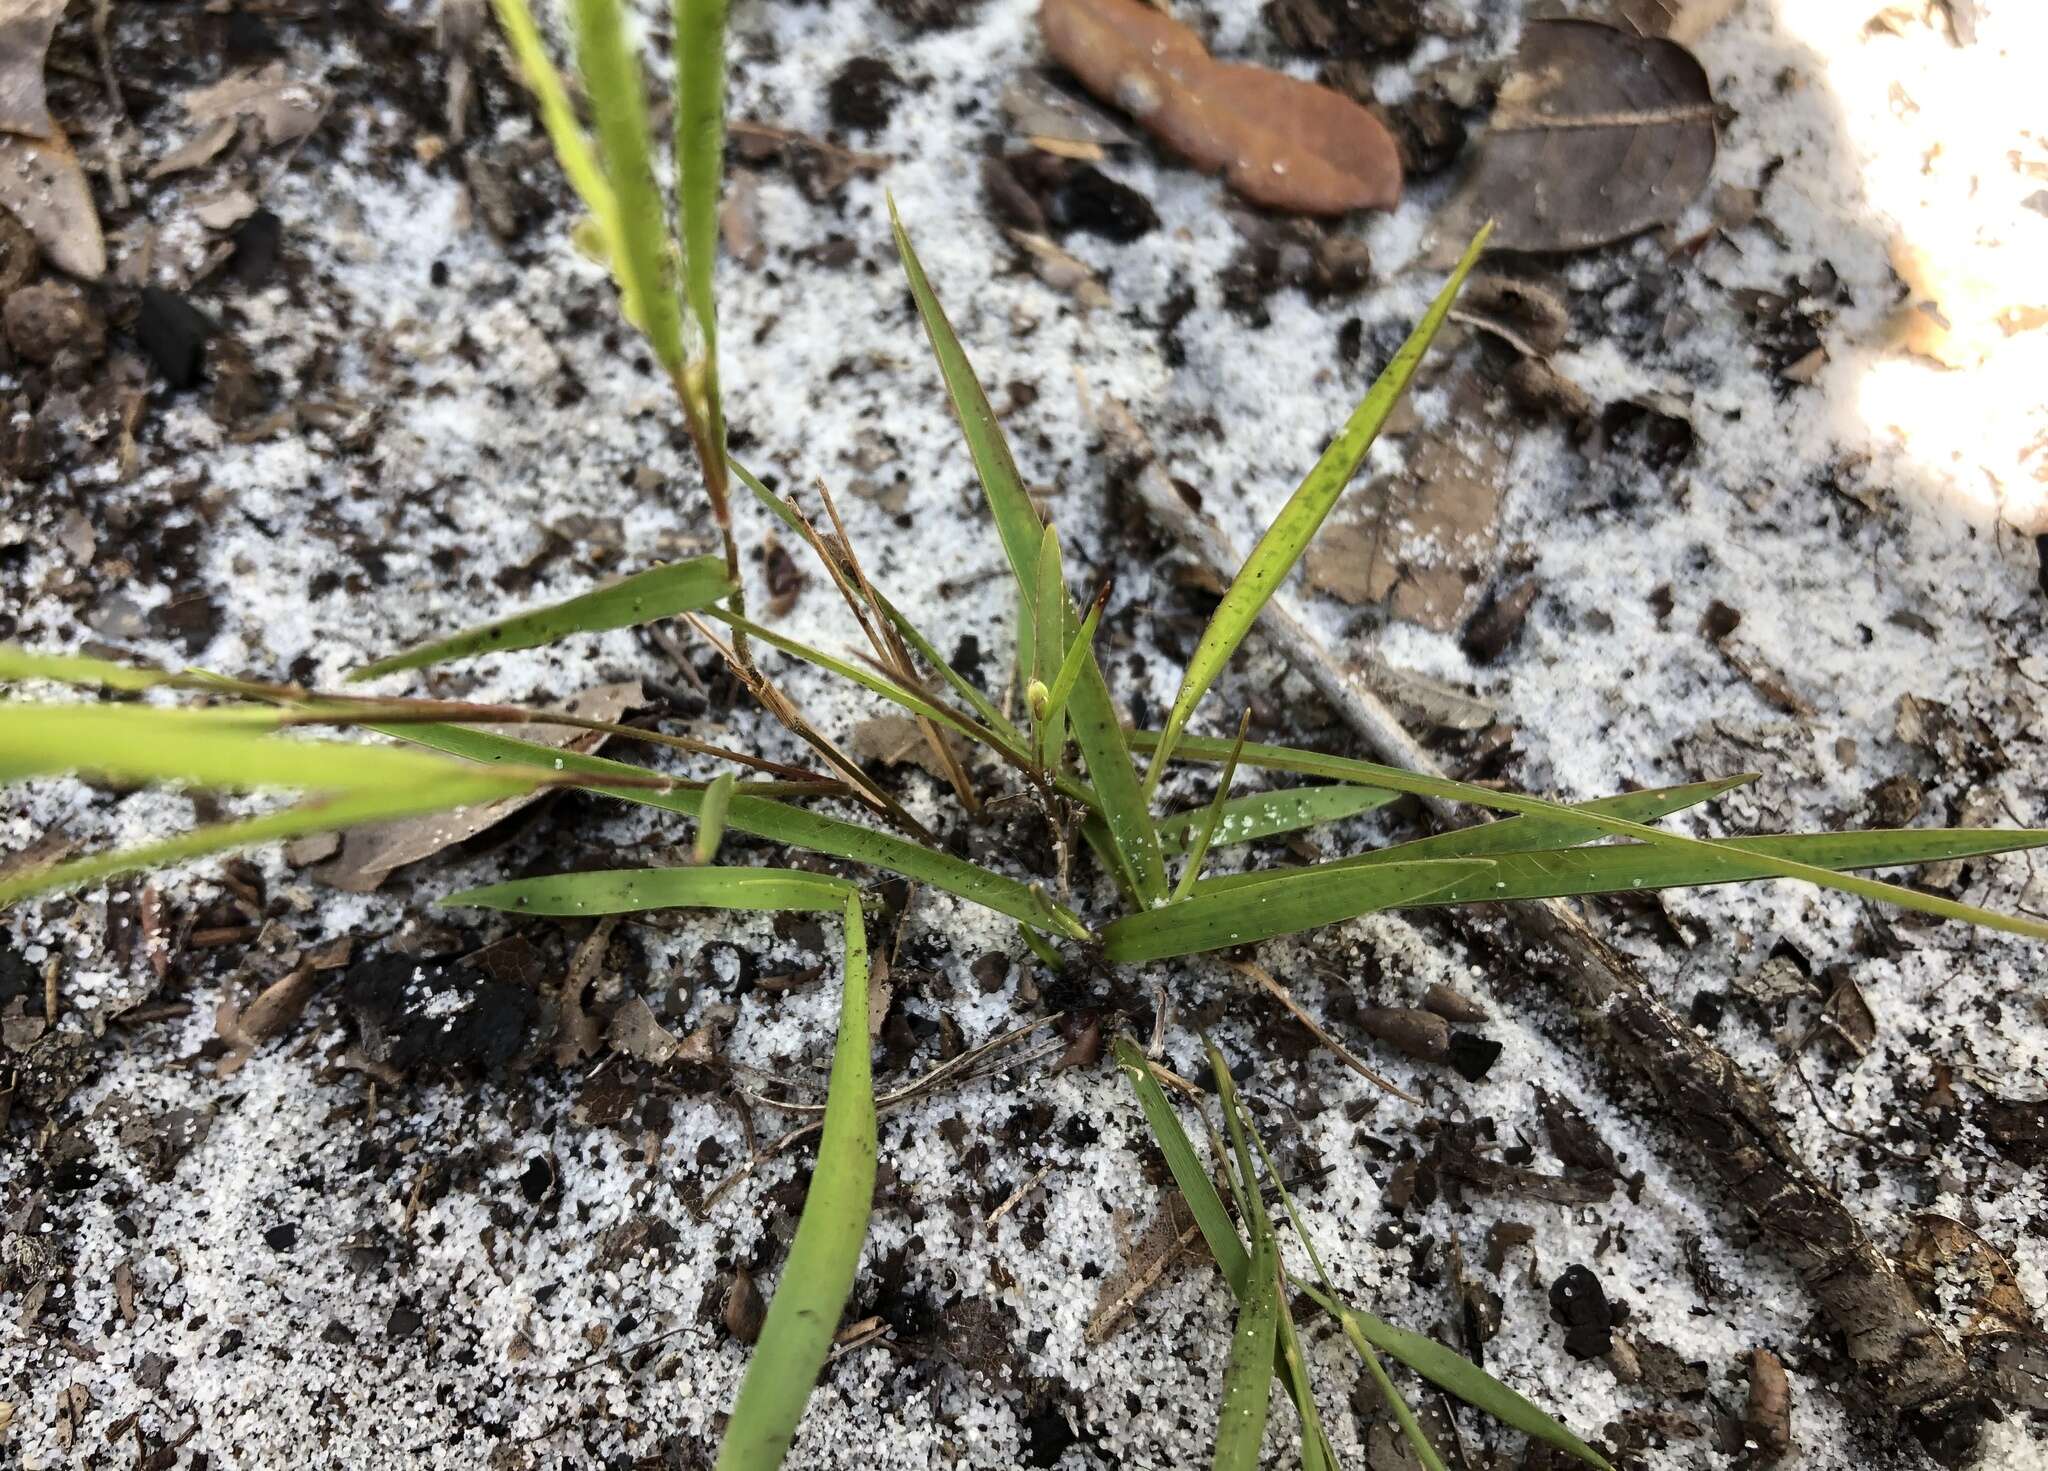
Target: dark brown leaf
{"x": 1597, "y": 135}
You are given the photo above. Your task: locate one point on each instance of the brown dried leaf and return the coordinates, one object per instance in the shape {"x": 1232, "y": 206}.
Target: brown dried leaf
{"x": 25, "y": 30}
{"x": 1280, "y": 142}
{"x": 1170, "y": 1238}
{"x": 369, "y": 854}
{"x": 896, "y": 740}
{"x": 42, "y": 186}
{"x": 1597, "y": 135}
{"x": 1953, "y": 1266}
{"x": 1428, "y": 532}
{"x": 637, "y": 1032}
{"x": 286, "y": 110}
{"x": 1044, "y": 112}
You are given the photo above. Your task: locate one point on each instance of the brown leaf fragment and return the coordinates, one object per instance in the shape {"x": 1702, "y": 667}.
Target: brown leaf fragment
{"x": 1419, "y": 537}
{"x": 1060, "y": 270}
{"x": 1683, "y": 21}
{"x": 1278, "y": 141}
{"x": 1420, "y": 1034}
{"x": 1171, "y": 1237}
{"x": 286, "y": 110}
{"x": 42, "y": 186}
{"x": 369, "y": 854}
{"x": 635, "y": 1031}
{"x": 1954, "y": 1269}
{"x": 896, "y": 740}
{"x": 1044, "y": 112}
{"x": 1597, "y": 135}
{"x": 25, "y": 30}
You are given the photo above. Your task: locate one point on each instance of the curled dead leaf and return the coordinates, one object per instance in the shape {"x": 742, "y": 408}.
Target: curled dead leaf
{"x": 1279, "y": 141}
{"x": 1598, "y": 134}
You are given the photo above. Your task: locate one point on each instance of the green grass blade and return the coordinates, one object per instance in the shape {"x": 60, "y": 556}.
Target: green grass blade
{"x": 1016, "y": 520}
{"x": 18, "y": 663}
{"x": 1458, "y": 1375}
{"x": 1196, "y": 1188}
{"x": 804, "y": 1314}
{"x": 1666, "y": 861}
{"x": 1393, "y": 778}
{"x": 1248, "y": 1378}
{"x": 778, "y": 822}
{"x": 1293, "y": 1365}
{"x": 319, "y": 815}
{"x": 634, "y": 890}
{"x": 1108, "y": 754}
{"x": 1404, "y": 1416}
{"x": 711, "y": 816}
{"x": 700, "y": 165}
{"x": 982, "y": 705}
{"x": 1258, "y": 815}
{"x": 659, "y": 592}
{"x": 1290, "y": 901}
{"x": 233, "y": 750}
{"x": 1295, "y": 527}
{"x": 1317, "y": 1454}
{"x": 558, "y": 117}
{"x": 1517, "y": 834}
{"x": 1226, "y": 1247}
{"x": 1092, "y": 711}
{"x": 1206, "y": 834}
{"x": 640, "y": 250}
{"x": 1079, "y": 652}
{"x": 1639, "y": 867}
{"x": 1049, "y": 651}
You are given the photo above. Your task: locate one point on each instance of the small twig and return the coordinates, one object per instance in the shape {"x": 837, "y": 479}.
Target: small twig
{"x": 1017, "y": 1196}
{"x": 1295, "y": 1009}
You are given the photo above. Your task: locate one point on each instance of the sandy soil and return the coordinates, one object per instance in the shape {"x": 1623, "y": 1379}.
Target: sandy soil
{"x": 406, "y": 1234}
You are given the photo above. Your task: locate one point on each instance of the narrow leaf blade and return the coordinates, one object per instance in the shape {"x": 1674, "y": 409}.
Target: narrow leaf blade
{"x": 781, "y": 823}
{"x": 1093, "y": 712}
{"x": 618, "y": 100}
{"x": 804, "y": 1314}
{"x": 659, "y": 592}
{"x": 1295, "y": 527}
{"x": 711, "y": 816}
{"x": 1284, "y": 904}
{"x": 1258, "y": 815}
{"x": 636, "y": 890}
{"x": 320, "y": 815}
{"x": 233, "y": 750}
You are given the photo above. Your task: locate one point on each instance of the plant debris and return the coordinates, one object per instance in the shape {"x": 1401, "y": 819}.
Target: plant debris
{"x": 1597, "y": 135}
{"x": 1280, "y": 142}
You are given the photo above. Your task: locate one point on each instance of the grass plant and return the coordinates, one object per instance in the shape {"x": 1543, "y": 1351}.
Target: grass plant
{"x": 1068, "y": 754}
